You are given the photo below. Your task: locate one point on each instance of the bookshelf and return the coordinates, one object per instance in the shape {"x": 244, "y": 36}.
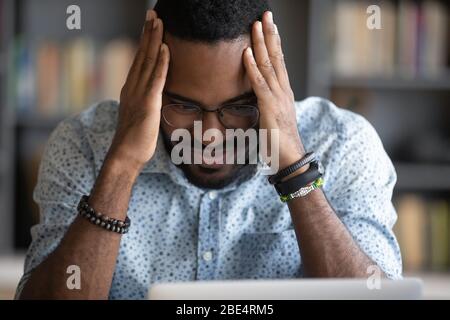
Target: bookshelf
{"x": 419, "y": 181}
{"x": 29, "y": 25}
{"x": 398, "y": 105}
{"x": 406, "y": 98}
{"x": 394, "y": 83}
{"x": 410, "y": 113}
{"x": 7, "y": 137}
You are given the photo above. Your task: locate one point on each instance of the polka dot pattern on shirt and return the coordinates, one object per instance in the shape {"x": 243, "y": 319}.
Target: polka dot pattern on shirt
{"x": 242, "y": 231}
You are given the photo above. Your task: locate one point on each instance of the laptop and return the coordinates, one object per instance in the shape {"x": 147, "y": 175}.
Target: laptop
{"x": 290, "y": 289}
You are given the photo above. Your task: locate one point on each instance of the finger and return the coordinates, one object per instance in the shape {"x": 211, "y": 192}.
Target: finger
{"x": 151, "y": 57}
{"x": 262, "y": 57}
{"x": 134, "y": 73}
{"x": 257, "y": 80}
{"x": 274, "y": 49}
{"x": 159, "y": 76}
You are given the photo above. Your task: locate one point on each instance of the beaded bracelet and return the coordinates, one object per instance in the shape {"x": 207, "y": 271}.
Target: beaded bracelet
{"x": 105, "y": 222}
{"x": 303, "y": 191}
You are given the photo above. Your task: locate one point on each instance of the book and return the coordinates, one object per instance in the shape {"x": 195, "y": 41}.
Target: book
{"x": 47, "y": 78}
{"x": 383, "y": 42}
{"x": 423, "y": 233}
{"x": 54, "y": 79}
{"x": 24, "y": 79}
{"x": 435, "y": 39}
{"x": 411, "y": 231}
{"x": 439, "y": 235}
{"x": 79, "y": 74}
{"x": 408, "y": 14}
{"x": 413, "y": 40}
{"x": 116, "y": 59}
{"x": 345, "y": 38}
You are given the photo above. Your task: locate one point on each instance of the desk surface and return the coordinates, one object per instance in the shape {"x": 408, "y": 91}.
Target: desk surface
{"x": 436, "y": 285}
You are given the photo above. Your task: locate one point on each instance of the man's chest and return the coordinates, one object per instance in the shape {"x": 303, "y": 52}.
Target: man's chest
{"x": 178, "y": 234}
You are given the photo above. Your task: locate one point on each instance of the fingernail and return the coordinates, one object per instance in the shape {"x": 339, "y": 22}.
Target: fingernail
{"x": 258, "y": 26}
{"x": 270, "y": 16}
{"x": 148, "y": 16}
{"x": 155, "y": 24}
{"x": 146, "y": 27}
{"x": 275, "y": 28}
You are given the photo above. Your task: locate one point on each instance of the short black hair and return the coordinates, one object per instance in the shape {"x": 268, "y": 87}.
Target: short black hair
{"x": 210, "y": 21}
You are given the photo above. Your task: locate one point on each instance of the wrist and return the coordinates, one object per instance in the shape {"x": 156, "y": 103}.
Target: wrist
{"x": 296, "y": 173}
{"x": 121, "y": 160}
{"x": 291, "y": 158}
{"x": 291, "y": 154}
{"x": 120, "y": 166}
{"x": 296, "y": 167}
{"x": 112, "y": 189}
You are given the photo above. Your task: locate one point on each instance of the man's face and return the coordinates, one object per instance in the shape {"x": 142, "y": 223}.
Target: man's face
{"x": 210, "y": 75}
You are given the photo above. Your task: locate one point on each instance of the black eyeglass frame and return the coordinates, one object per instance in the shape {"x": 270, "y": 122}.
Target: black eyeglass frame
{"x": 217, "y": 110}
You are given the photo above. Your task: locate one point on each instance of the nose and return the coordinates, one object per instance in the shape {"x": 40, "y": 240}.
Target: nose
{"x": 211, "y": 121}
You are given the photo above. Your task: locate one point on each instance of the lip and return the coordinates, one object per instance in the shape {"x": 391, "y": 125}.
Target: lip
{"x": 211, "y": 161}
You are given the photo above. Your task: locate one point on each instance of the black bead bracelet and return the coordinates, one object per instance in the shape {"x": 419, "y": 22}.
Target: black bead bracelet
{"x": 105, "y": 222}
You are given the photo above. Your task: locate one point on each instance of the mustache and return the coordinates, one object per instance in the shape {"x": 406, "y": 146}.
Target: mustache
{"x": 213, "y": 144}
{"x": 169, "y": 144}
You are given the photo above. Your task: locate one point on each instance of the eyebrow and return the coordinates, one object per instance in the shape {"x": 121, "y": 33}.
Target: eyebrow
{"x": 246, "y": 95}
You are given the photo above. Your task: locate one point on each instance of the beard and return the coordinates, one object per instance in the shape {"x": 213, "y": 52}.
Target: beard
{"x": 210, "y": 178}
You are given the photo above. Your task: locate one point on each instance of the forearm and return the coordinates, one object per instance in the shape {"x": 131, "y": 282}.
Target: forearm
{"x": 327, "y": 248}
{"x": 93, "y": 249}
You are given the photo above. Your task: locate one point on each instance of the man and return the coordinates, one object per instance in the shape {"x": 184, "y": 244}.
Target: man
{"x": 207, "y": 221}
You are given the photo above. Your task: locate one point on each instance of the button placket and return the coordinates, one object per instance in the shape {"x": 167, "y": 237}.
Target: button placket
{"x": 207, "y": 238}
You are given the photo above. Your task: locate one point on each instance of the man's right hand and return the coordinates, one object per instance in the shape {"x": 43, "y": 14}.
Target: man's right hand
{"x": 133, "y": 145}
{"x": 137, "y": 131}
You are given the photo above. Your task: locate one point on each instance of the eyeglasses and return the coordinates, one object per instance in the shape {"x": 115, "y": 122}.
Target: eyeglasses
{"x": 231, "y": 116}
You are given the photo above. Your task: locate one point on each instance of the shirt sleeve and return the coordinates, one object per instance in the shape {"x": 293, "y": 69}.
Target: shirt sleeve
{"x": 359, "y": 186}
{"x": 65, "y": 174}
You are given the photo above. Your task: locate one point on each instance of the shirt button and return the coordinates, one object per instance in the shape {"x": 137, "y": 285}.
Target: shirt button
{"x": 207, "y": 255}
{"x": 212, "y": 195}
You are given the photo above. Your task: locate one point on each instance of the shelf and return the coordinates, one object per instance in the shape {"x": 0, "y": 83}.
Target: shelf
{"x": 3, "y": 66}
{"x": 38, "y": 122}
{"x": 2, "y": 161}
{"x": 423, "y": 177}
{"x": 396, "y": 83}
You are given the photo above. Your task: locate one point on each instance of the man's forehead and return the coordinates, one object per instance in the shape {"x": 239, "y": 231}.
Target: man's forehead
{"x": 207, "y": 71}
{"x": 202, "y": 48}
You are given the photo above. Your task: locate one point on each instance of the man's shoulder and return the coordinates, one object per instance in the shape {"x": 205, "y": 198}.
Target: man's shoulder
{"x": 88, "y": 133}
{"x": 99, "y": 118}
{"x": 321, "y": 119}
{"x": 320, "y": 113}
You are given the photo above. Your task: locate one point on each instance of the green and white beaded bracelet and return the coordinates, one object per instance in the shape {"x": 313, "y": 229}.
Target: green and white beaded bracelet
{"x": 303, "y": 191}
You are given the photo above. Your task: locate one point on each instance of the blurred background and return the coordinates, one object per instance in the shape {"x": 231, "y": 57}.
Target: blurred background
{"x": 397, "y": 77}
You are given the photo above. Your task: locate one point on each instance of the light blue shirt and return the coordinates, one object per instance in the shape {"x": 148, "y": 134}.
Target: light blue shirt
{"x": 180, "y": 232}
